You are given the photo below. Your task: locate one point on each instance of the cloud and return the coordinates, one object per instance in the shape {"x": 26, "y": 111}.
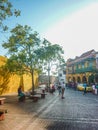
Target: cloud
{"x": 76, "y": 33}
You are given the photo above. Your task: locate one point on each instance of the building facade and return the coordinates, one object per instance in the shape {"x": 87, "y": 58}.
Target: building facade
{"x": 83, "y": 68}
{"x": 44, "y": 79}
{"x": 62, "y": 75}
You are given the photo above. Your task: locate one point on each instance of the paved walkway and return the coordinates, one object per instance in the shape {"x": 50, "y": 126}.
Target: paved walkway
{"x": 75, "y": 112}
{"x": 20, "y": 114}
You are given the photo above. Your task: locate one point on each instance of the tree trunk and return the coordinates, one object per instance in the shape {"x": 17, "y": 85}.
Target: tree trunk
{"x": 33, "y": 87}
{"x": 22, "y": 83}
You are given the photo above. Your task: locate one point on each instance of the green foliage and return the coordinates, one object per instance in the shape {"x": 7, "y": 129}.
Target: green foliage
{"x": 6, "y": 10}
{"x": 53, "y": 55}
{"x": 28, "y": 53}
{"x": 22, "y": 46}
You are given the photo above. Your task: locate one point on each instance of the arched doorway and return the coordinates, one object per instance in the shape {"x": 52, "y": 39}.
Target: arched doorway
{"x": 84, "y": 79}
{"x": 78, "y": 80}
{"x": 69, "y": 79}
{"x": 96, "y": 78}
{"x": 74, "y": 80}
{"x": 91, "y": 79}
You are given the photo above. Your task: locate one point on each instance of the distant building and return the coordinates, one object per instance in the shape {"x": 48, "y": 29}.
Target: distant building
{"x": 83, "y": 68}
{"x": 62, "y": 74}
{"x": 44, "y": 79}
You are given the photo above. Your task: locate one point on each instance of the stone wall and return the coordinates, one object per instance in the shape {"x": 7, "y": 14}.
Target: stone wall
{"x": 15, "y": 81}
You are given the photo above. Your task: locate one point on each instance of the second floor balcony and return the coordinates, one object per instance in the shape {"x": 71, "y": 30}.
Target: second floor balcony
{"x": 87, "y": 69}
{"x": 83, "y": 70}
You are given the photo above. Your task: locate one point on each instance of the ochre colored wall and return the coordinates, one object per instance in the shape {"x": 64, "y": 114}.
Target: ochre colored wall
{"x": 14, "y": 81}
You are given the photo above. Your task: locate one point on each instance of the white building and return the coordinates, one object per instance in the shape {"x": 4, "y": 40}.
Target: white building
{"x": 62, "y": 75}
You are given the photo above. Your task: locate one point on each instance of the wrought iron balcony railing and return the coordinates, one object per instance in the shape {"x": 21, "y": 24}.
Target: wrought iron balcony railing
{"x": 82, "y": 70}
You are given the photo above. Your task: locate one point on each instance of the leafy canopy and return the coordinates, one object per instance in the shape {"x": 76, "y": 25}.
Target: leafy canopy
{"x": 25, "y": 47}
{"x": 22, "y": 46}
{"x": 6, "y": 10}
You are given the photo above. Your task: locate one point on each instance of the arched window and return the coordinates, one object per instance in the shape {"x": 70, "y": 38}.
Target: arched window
{"x": 78, "y": 80}
{"x": 84, "y": 79}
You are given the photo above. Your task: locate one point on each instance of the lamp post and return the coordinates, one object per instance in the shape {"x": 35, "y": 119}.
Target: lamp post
{"x": 48, "y": 75}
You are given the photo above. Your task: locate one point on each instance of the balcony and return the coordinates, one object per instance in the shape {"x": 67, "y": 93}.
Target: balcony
{"x": 88, "y": 69}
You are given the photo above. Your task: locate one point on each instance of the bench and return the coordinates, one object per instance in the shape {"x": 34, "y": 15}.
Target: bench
{"x": 35, "y": 97}
{"x": 2, "y": 101}
{"x": 42, "y": 94}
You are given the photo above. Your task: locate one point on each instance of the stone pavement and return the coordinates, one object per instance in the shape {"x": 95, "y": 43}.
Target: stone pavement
{"x": 75, "y": 112}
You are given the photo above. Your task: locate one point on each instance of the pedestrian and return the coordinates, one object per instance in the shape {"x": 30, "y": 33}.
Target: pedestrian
{"x": 53, "y": 88}
{"x": 63, "y": 89}
{"x": 75, "y": 86}
{"x": 97, "y": 87}
{"x": 93, "y": 88}
{"x": 85, "y": 86}
{"x": 59, "y": 88}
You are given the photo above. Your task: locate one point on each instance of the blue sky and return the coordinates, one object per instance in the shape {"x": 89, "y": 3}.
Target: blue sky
{"x": 65, "y": 22}
{"x": 41, "y": 14}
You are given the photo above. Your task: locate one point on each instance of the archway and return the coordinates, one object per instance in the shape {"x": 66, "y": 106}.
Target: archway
{"x": 91, "y": 79}
{"x": 84, "y": 79}
{"x": 78, "y": 80}
{"x": 69, "y": 79}
{"x": 74, "y": 80}
{"x": 96, "y": 78}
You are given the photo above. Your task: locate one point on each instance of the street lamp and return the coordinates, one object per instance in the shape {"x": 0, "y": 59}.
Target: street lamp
{"x": 49, "y": 70}
{"x": 48, "y": 75}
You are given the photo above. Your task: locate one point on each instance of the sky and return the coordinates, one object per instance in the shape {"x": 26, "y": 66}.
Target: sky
{"x": 73, "y": 24}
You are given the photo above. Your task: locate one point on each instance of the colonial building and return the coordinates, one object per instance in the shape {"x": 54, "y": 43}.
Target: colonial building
{"x": 83, "y": 68}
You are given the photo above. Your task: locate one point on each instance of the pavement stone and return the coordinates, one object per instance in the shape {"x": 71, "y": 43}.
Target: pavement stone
{"x": 75, "y": 112}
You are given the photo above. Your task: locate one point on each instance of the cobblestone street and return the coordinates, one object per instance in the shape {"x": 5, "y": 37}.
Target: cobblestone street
{"x": 75, "y": 112}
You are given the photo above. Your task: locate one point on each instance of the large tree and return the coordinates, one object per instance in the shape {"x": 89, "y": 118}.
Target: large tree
{"x": 27, "y": 53}
{"x": 6, "y": 10}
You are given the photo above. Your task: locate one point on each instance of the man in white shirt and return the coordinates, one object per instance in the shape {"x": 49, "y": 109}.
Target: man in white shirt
{"x": 63, "y": 89}
{"x": 93, "y": 87}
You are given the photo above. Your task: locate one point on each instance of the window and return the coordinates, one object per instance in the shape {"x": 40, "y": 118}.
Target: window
{"x": 62, "y": 79}
{"x": 64, "y": 72}
{"x": 60, "y": 75}
{"x": 90, "y": 64}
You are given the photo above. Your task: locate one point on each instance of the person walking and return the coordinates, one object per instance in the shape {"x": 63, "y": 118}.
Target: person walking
{"x": 85, "y": 85}
{"x": 93, "y": 88}
{"x": 63, "y": 89}
{"x": 59, "y": 88}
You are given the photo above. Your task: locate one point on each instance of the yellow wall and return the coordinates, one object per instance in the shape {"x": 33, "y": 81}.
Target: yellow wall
{"x": 15, "y": 80}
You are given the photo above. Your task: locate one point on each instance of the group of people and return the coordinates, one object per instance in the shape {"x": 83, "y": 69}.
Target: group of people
{"x": 94, "y": 88}
{"x": 61, "y": 89}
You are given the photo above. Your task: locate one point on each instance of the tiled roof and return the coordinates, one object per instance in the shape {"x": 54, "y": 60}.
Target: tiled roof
{"x": 85, "y": 55}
